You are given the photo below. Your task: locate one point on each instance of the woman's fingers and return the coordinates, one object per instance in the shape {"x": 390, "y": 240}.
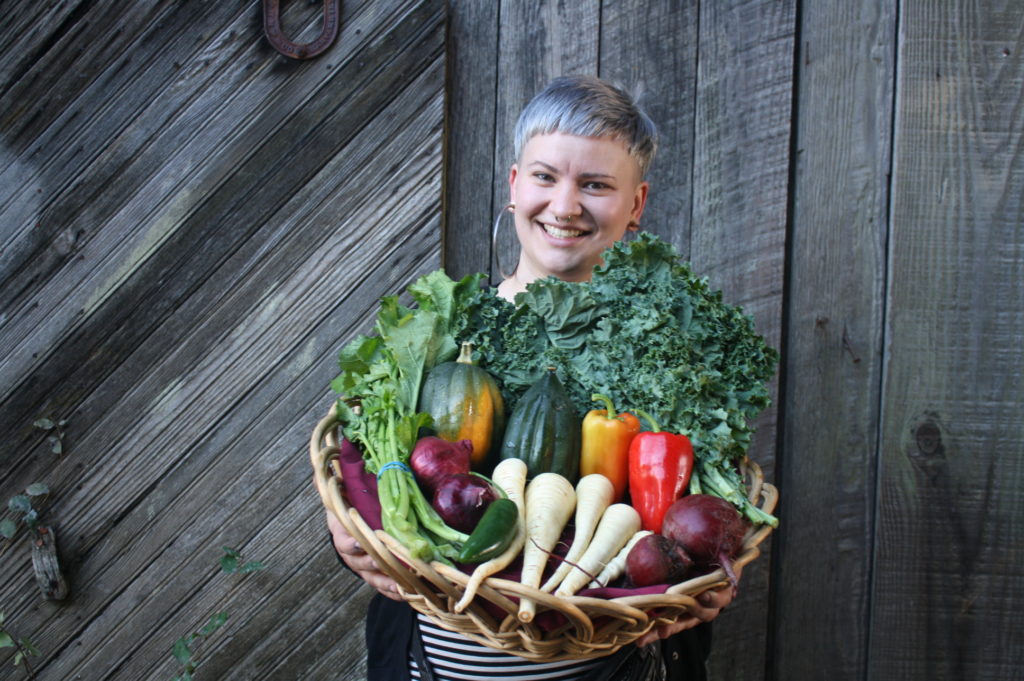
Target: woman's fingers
{"x": 359, "y": 561}
{"x": 709, "y": 605}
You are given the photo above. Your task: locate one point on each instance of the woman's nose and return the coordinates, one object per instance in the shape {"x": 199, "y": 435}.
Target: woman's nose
{"x": 566, "y": 201}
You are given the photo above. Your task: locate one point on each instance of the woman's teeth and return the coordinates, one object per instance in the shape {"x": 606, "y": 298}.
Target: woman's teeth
{"x": 562, "y": 233}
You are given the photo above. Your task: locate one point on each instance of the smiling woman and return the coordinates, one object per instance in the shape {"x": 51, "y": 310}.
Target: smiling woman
{"x": 577, "y": 185}
{"x": 574, "y": 197}
{"x": 582, "y": 150}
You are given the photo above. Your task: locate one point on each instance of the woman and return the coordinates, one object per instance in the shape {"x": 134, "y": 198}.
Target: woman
{"x": 582, "y": 149}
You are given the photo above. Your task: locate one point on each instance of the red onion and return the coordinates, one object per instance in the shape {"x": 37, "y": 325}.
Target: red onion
{"x": 434, "y": 458}
{"x": 461, "y": 499}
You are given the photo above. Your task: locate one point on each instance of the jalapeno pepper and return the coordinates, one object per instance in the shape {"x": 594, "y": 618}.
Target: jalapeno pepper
{"x": 604, "y": 445}
{"x": 660, "y": 465}
{"x": 493, "y": 533}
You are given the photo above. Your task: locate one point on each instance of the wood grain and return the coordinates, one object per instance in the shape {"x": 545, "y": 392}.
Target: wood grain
{"x": 744, "y": 91}
{"x": 950, "y": 536}
{"x": 191, "y": 226}
{"x": 653, "y": 54}
{"x": 834, "y": 339}
{"x": 240, "y": 229}
{"x": 471, "y": 133}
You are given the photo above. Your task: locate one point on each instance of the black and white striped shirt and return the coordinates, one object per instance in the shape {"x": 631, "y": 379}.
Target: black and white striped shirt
{"x": 454, "y": 657}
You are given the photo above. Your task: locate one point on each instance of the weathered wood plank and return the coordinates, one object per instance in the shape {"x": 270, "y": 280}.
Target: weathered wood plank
{"x": 207, "y": 388}
{"x": 470, "y": 140}
{"x": 546, "y": 40}
{"x": 653, "y": 53}
{"x": 738, "y": 233}
{"x": 950, "y": 528}
{"x": 226, "y": 380}
{"x": 237, "y": 173}
{"x": 188, "y": 120}
{"x": 834, "y": 350}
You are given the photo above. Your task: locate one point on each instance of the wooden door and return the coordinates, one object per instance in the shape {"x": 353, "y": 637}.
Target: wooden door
{"x": 192, "y": 225}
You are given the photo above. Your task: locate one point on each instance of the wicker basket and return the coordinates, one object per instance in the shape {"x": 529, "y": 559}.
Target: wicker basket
{"x": 587, "y": 626}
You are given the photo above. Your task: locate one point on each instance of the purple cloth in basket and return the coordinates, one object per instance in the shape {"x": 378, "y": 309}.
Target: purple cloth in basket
{"x": 360, "y": 486}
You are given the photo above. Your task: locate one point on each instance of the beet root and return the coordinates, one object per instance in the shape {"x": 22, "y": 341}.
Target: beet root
{"x": 656, "y": 559}
{"x": 709, "y": 528}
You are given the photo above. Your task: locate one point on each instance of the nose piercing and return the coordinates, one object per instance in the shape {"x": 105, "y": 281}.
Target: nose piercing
{"x": 564, "y": 218}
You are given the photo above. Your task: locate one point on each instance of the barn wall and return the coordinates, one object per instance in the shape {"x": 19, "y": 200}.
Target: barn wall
{"x": 192, "y": 225}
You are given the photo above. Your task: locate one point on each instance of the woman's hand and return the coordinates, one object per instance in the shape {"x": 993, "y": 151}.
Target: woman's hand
{"x": 360, "y": 562}
{"x": 709, "y": 605}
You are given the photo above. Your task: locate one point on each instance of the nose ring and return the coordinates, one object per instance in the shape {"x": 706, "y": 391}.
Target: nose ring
{"x": 564, "y": 218}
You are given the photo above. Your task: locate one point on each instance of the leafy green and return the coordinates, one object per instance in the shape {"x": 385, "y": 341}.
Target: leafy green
{"x": 380, "y": 382}
{"x": 650, "y": 334}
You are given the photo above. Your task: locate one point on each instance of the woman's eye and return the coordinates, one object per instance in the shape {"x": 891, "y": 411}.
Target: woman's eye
{"x": 544, "y": 177}
{"x": 595, "y": 186}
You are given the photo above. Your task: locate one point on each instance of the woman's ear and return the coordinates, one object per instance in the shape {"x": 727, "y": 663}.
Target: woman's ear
{"x": 512, "y": 174}
{"x": 639, "y": 201}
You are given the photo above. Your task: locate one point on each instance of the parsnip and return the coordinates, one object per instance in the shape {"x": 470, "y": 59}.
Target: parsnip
{"x": 617, "y": 565}
{"x": 594, "y": 494}
{"x": 550, "y": 500}
{"x": 510, "y": 475}
{"x": 618, "y": 524}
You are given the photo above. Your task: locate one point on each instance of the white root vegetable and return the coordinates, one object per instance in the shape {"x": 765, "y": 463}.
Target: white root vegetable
{"x": 594, "y": 494}
{"x": 510, "y": 475}
{"x": 618, "y": 524}
{"x": 550, "y": 500}
{"x": 617, "y": 565}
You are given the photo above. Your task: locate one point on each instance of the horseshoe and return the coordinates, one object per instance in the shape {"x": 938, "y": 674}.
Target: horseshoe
{"x": 277, "y": 38}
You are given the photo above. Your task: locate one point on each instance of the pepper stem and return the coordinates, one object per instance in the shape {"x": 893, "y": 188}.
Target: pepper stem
{"x": 655, "y": 428}
{"x": 609, "y": 408}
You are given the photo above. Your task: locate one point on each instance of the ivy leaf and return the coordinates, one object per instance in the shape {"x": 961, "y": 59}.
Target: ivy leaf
{"x": 56, "y": 446}
{"x": 5, "y": 640}
{"x": 181, "y": 651}
{"x": 251, "y": 566}
{"x": 44, "y": 424}
{"x": 216, "y": 622}
{"x": 37, "y": 489}
{"x": 8, "y": 529}
{"x": 229, "y": 561}
{"x": 20, "y": 503}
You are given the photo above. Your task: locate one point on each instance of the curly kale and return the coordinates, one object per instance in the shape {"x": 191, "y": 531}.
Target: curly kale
{"x": 650, "y": 334}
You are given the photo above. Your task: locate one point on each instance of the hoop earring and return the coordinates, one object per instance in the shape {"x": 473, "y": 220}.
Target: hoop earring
{"x": 509, "y": 207}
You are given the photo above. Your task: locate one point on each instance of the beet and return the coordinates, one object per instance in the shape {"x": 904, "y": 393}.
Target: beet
{"x": 461, "y": 500}
{"x": 656, "y": 559}
{"x": 433, "y": 459}
{"x": 709, "y": 528}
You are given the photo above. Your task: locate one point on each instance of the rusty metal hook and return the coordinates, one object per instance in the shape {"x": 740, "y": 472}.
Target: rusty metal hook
{"x": 276, "y": 37}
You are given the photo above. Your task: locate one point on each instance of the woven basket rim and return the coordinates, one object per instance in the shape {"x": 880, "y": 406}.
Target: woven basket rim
{"x": 591, "y": 626}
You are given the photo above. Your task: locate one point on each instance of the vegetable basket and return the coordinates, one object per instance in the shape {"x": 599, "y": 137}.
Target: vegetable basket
{"x": 571, "y": 627}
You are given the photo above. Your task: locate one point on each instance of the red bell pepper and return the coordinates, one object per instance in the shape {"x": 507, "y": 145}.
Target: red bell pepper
{"x": 660, "y": 465}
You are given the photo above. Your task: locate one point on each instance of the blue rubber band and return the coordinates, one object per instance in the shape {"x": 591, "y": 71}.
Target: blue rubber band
{"x": 393, "y": 464}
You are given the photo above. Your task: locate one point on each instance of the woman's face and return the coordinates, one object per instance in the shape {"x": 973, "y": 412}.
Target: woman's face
{"x": 592, "y": 180}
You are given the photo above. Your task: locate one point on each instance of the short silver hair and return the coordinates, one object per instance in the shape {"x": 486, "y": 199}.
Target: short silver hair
{"x": 589, "y": 107}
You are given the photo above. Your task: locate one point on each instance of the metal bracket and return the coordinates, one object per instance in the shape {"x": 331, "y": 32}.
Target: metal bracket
{"x": 276, "y": 37}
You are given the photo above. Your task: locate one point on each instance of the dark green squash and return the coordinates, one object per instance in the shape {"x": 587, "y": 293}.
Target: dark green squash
{"x": 544, "y": 430}
{"x": 466, "y": 404}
